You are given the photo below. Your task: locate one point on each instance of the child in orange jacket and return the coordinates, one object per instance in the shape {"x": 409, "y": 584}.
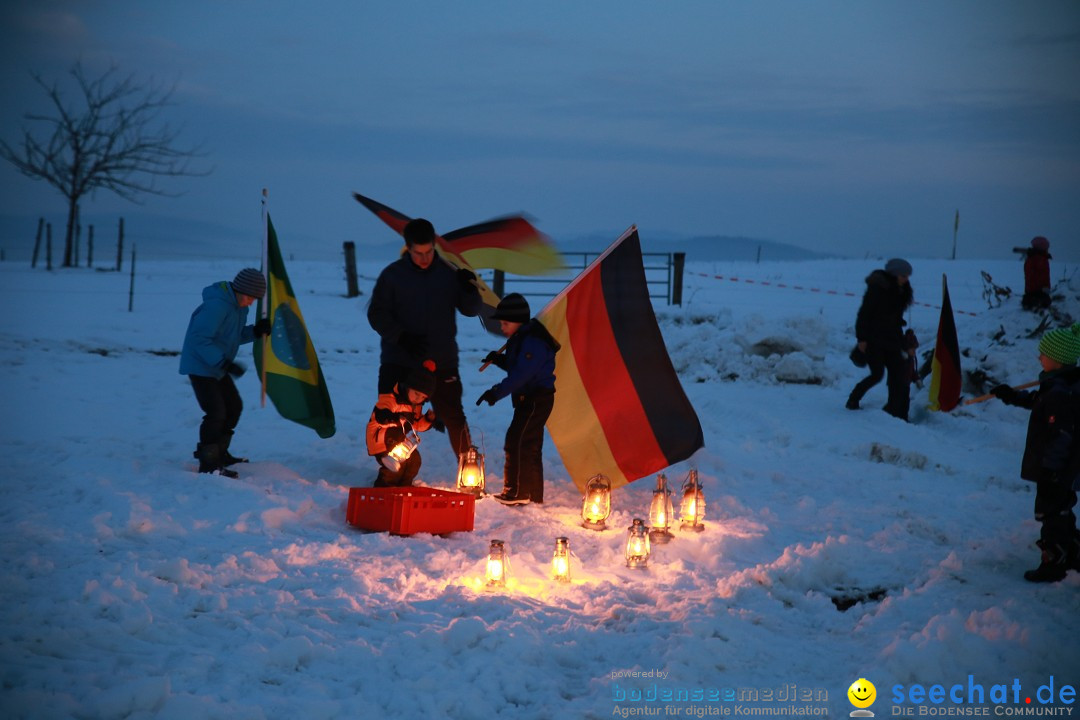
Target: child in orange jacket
{"x": 395, "y": 415}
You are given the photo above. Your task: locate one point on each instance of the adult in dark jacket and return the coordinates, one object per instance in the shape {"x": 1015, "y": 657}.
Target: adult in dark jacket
{"x": 879, "y": 332}
{"x": 217, "y": 329}
{"x": 1052, "y": 451}
{"x": 1037, "y": 275}
{"x": 413, "y": 309}
{"x": 530, "y": 383}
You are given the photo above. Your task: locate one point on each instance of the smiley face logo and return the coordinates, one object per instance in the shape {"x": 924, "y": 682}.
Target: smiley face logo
{"x": 862, "y": 693}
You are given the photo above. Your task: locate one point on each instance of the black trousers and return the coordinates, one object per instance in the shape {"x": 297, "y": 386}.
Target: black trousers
{"x": 403, "y": 477}
{"x": 221, "y": 404}
{"x": 523, "y": 471}
{"x": 1054, "y": 503}
{"x": 446, "y": 402}
{"x": 895, "y": 364}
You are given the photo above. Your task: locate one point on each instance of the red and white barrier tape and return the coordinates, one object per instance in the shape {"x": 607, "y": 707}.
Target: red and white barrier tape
{"x": 810, "y": 289}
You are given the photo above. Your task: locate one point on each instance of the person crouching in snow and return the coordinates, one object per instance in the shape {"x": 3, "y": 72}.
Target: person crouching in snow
{"x": 396, "y": 414}
{"x": 530, "y": 382}
{"x": 1052, "y": 452}
{"x": 217, "y": 329}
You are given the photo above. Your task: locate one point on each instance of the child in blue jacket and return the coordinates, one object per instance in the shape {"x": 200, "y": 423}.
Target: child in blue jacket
{"x": 217, "y": 329}
{"x": 529, "y": 363}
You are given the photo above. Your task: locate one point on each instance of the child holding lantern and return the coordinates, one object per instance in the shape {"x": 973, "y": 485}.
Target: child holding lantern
{"x": 529, "y": 363}
{"x": 396, "y": 414}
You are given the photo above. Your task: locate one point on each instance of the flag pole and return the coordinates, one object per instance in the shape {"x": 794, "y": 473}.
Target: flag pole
{"x": 991, "y": 396}
{"x": 266, "y": 296}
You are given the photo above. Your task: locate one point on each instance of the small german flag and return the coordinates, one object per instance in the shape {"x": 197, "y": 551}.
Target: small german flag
{"x": 620, "y": 409}
{"x": 945, "y": 377}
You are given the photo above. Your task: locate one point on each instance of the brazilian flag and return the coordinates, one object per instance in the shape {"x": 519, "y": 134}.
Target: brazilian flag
{"x": 286, "y": 359}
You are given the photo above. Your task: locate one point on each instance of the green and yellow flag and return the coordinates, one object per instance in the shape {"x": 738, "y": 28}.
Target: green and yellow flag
{"x": 286, "y": 358}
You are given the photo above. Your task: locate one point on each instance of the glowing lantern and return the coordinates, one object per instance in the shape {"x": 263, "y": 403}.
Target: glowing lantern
{"x": 560, "y": 561}
{"x": 692, "y": 511}
{"x": 596, "y": 505}
{"x": 470, "y": 474}
{"x": 498, "y": 564}
{"x": 661, "y": 512}
{"x": 402, "y": 451}
{"x": 637, "y": 545}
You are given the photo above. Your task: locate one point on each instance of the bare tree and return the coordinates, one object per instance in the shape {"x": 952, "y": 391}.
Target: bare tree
{"x": 111, "y": 138}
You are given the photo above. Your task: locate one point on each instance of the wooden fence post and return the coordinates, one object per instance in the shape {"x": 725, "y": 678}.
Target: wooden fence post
{"x": 48, "y": 246}
{"x": 352, "y": 289}
{"x": 37, "y": 242}
{"x": 131, "y": 289}
{"x": 678, "y": 261}
{"x": 498, "y": 283}
{"x": 120, "y": 247}
{"x": 90, "y": 247}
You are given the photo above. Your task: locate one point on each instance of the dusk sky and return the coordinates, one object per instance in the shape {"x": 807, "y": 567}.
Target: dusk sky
{"x": 855, "y": 128}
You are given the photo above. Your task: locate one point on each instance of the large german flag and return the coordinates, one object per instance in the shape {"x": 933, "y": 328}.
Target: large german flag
{"x": 945, "y": 377}
{"x": 619, "y": 407}
{"x": 510, "y": 244}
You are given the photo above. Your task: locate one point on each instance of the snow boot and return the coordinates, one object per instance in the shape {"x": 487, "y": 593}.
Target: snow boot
{"x": 1051, "y": 569}
{"x": 210, "y": 461}
{"x": 228, "y": 458}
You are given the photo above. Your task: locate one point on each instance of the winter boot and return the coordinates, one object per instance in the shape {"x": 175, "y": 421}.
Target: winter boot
{"x": 228, "y": 458}
{"x": 1052, "y": 568}
{"x": 209, "y": 455}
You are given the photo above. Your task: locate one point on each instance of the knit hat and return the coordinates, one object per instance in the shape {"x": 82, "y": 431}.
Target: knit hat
{"x": 422, "y": 380}
{"x": 1062, "y": 344}
{"x": 1040, "y": 243}
{"x": 418, "y": 232}
{"x": 250, "y": 282}
{"x": 513, "y": 308}
{"x": 898, "y": 267}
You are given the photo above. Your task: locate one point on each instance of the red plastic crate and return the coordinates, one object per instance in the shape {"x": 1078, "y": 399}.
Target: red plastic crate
{"x": 410, "y": 510}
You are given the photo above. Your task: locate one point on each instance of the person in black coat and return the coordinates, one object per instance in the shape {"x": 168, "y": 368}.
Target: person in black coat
{"x": 879, "y": 332}
{"x": 413, "y": 309}
{"x": 529, "y": 363}
{"x": 1052, "y": 451}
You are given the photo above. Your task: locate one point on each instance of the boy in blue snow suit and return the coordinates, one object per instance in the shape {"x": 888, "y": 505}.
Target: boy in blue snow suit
{"x": 1052, "y": 453}
{"x": 530, "y": 382}
{"x": 217, "y": 329}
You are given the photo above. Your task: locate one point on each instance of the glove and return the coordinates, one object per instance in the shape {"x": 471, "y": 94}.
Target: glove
{"x": 393, "y": 437}
{"x": 496, "y": 358}
{"x": 467, "y": 279}
{"x": 436, "y": 424}
{"x": 262, "y": 327}
{"x": 488, "y": 397}
{"x": 413, "y": 343}
{"x": 235, "y": 369}
{"x": 1004, "y": 393}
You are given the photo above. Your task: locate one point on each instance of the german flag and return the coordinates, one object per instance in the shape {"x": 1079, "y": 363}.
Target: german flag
{"x": 619, "y": 407}
{"x": 945, "y": 378}
{"x": 510, "y": 244}
{"x": 397, "y": 222}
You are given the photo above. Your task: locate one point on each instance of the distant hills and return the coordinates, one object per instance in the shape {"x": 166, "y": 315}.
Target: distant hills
{"x": 703, "y": 248}
{"x": 169, "y": 238}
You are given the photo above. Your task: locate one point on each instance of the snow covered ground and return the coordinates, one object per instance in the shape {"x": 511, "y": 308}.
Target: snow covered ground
{"x": 134, "y": 587}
